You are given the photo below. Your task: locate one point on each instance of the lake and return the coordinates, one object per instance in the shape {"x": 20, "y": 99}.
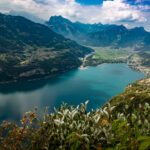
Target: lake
{"x": 96, "y": 84}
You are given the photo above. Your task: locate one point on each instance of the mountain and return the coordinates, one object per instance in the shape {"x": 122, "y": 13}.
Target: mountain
{"x": 119, "y": 36}
{"x": 66, "y": 28}
{"x": 100, "y": 35}
{"x": 30, "y": 50}
{"x": 76, "y": 31}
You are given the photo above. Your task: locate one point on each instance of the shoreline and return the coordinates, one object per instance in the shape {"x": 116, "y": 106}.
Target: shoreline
{"x": 140, "y": 68}
{"x": 81, "y": 67}
{"x": 37, "y": 79}
{"x": 55, "y": 75}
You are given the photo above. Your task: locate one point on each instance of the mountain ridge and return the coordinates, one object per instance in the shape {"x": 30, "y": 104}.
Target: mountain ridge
{"x": 101, "y": 35}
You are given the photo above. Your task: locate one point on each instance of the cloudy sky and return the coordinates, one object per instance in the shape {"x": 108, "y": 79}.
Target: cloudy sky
{"x": 131, "y": 13}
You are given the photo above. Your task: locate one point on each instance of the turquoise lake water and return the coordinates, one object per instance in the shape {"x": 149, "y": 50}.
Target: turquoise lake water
{"x": 96, "y": 84}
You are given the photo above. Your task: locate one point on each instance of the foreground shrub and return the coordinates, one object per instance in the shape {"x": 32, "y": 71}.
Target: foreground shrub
{"x": 74, "y": 128}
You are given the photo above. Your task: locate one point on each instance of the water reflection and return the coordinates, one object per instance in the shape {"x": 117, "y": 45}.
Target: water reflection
{"x": 97, "y": 84}
{"x": 34, "y": 85}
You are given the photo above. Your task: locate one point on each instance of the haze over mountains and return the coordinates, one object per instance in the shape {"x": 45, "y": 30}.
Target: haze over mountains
{"x": 115, "y": 36}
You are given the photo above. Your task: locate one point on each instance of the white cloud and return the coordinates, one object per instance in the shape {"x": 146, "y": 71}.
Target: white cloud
{"x": 108, "y": 12}
{"x": 117, "y": 10}
{"x": 144, "y": 7}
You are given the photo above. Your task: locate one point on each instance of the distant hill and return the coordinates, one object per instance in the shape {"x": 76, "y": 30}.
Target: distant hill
{"x": 30, "y": 50}
{"x": 115, "y": 36}
{"x": 119, "y": 36}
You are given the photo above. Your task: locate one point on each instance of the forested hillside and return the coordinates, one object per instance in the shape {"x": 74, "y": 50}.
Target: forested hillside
{"x": 30, "y": 51}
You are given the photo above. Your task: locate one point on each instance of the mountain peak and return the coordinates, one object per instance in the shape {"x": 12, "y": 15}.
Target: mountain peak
{"x": 58, "y": 19}
{"x": 139, "y": 29}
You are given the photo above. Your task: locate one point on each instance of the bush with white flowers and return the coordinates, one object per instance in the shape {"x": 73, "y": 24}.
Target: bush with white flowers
{"x": 74, "y": 128}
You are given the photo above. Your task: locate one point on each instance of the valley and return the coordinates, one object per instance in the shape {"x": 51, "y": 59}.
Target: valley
{"x": 136, "y": 60}
{"x": 107, "y": 55}
{"x": 53, "y": 57}
{"x": 41, "y": 51}
{"x": 37, "y": 52}
{"x": 111, "y": 43}
{"x": 74, "y": 74}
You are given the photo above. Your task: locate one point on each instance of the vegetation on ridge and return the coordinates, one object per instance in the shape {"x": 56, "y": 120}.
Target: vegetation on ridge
{"x": 74, "y": 128}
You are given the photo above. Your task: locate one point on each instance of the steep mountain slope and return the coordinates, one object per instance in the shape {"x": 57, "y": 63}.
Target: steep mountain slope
{"x": 76, "y": 31}
{"x": 66, "y": 28}
{"x": 101, "y": 35}
{"x": 29, "y": 50}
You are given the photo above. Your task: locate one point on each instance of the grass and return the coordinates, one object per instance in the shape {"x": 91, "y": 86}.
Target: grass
{"x": 110, "y": 54}
{"x": 135, "y": 93}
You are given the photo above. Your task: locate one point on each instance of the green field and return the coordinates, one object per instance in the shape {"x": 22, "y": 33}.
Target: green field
{"x": 110, "y": 54}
